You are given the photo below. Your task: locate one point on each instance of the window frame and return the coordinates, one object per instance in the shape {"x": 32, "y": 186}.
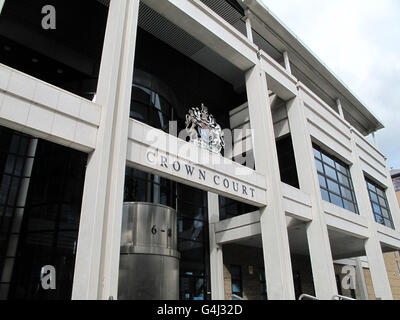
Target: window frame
{"x": 325, "y": 161}
{"x": 378, "y": 196}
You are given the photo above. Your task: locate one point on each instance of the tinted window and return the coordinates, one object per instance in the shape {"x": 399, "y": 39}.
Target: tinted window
{"x": 379, "y": 203}
{"x": 334, "y": 180}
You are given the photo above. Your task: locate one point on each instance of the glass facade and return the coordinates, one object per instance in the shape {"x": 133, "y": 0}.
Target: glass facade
{"x": 13, "y": 157}
{"x": 68, "y": 56}
{"x": 229, "y": 208}
{"x": 151, "y": 108}
{"x": 379, "y": 203}
{"x": 191, "y": 207}
{"x": 170, "y": 83}
{"x": 41, "y": 194}
{"x": 335, "y": 180}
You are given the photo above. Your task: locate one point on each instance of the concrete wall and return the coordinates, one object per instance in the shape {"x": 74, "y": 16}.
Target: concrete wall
{"x": 393, "y": 275}
{"x": 392, "y": 262}
{"x": 368, "y": 282}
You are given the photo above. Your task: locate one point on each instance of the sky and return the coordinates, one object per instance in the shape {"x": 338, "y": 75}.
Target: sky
{"x": 359, "y": 40}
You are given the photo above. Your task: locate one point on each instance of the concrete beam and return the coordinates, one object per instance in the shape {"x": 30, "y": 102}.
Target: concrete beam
{"x": 205, "y": 25}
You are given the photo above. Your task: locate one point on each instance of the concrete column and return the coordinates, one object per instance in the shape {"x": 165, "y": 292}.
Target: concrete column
{"x": 249, "y": 29}
{"x": 340, "y": 109}
{"x": 96, "y": 267}
{"x": 373, "y": 248}
{"x": 374, "y": 140}
{"x": 115, "y": 195}
{"x": 278, "y": 266}
{"x": 216, "y": 254}
{"x": 287, "y": 62}
{"x": 361, "y": 287}
{"x": 377, "y": 267}
{"x": 2, "y": 5}
{"x": 317, "y": 232}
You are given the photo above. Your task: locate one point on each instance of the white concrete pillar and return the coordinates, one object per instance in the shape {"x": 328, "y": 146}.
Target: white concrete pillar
{"x": 278, "y": 266}
{"x": 287, "y": 62}
{"x": 2, "y": 5}
{"x": 317, "y": 232}
{"x": 377, "y": 267}
{"x": 373, "y": 247}
{"x": 249, "y": 29}
{"x": 361, "y": 286}
{"x": 96, "y": 267}
{"x": 216, "y": 254}
{"x": 340, "y": 109}
{"x": 115, "y": 194}
{"x": 375, "y": 140}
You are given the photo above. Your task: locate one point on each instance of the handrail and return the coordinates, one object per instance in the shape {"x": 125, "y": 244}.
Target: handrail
{"x": 335, "y": 297}
{"x": 236, "y": 297}
{"x": 307, "y": 296}
{"x": 340, "y": 297}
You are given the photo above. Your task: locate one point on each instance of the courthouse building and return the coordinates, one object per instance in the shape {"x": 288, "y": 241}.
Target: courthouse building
{"x": 93, "y": 96}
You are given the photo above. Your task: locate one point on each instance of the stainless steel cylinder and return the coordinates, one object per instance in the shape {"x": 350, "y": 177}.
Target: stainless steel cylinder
{"x": 149, "y": 261}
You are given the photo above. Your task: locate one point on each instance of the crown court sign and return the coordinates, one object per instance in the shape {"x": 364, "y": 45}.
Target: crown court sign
{"x": 197, "y": 163}
{"x": 195, "y": 173}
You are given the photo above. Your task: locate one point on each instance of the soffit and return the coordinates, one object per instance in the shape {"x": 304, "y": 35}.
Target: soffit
{"x": 166, "y": 31}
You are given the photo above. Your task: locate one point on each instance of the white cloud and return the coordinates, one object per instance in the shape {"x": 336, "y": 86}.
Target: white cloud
{"x": 358, "y": 41}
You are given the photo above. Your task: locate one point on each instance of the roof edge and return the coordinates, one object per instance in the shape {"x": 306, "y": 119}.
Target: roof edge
{"x": 290, "y": 39}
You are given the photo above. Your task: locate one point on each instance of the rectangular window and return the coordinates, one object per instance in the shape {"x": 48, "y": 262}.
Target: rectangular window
{"x": 335, "y": 180}
{"x": 379, "y": 203}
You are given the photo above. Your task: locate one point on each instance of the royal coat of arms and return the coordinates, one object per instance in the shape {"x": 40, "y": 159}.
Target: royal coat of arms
{"x": 203, "y": 130}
